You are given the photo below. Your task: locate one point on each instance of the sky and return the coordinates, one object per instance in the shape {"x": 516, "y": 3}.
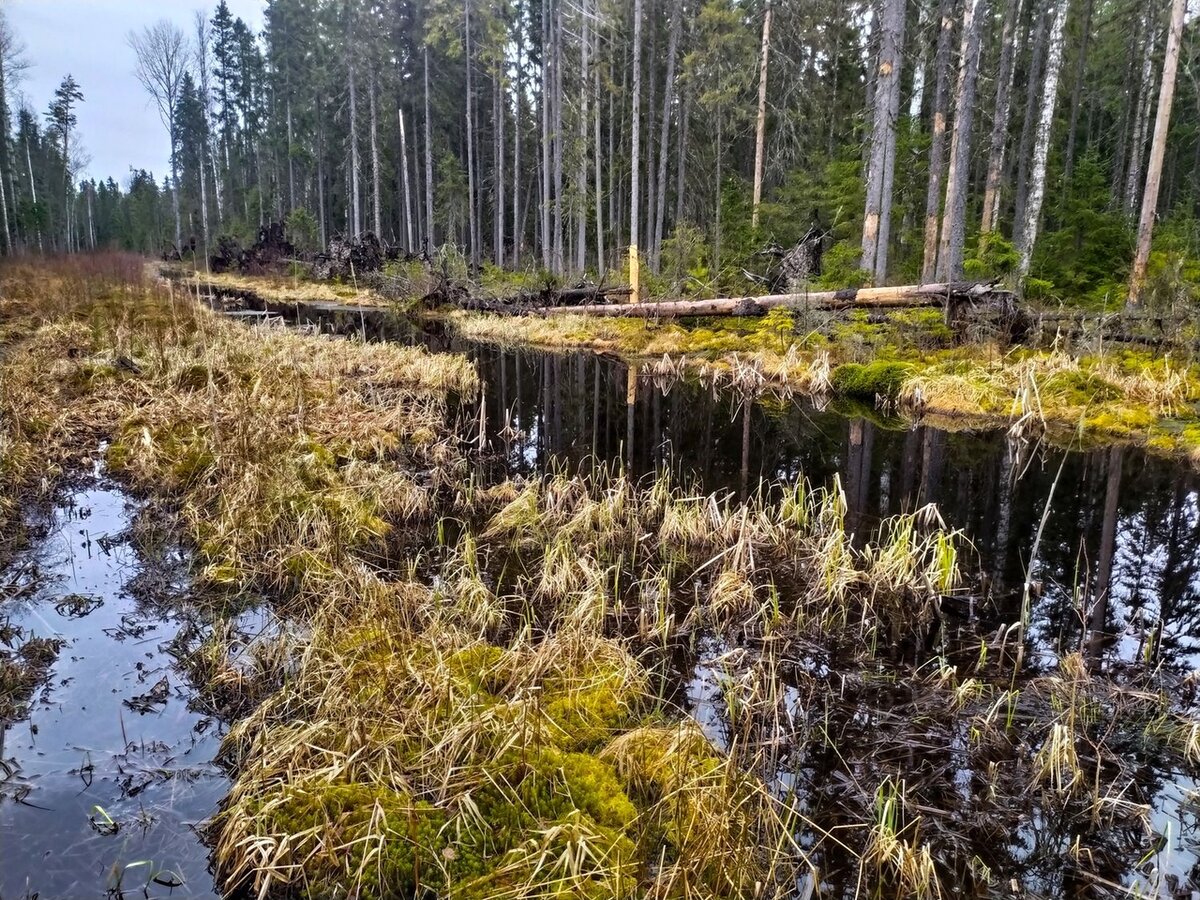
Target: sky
{"x": 118, "y": 124}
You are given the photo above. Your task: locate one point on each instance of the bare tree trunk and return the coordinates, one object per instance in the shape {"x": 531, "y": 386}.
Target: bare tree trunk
{"x": 883, "y": 141}
{"x": 355, "y": 217}
{"x": 559, "y": 259}
{"x": 760, "y": 125}
{"x": 999, "y": 140}
{"x": 600, "y": 261}
{"x": 376, "y": 216}
{"x": 581, "y": 172}
{"x": 1037, "y": 189}
{"x": 544, "y": 98}
{"x": 685, "y": 109}
{"x": 937, "y": 145}
{"x": 321, "y": 177}
{"x": 635, "y": 125}
{"x": 430, "y": 236}
{"x": 1141, "y": 121}
{"x": 472, "y": 223}
{"x": 664, "y": 141}
{"x": 1162, "y": 123}
{"x": 408, "y": 222}
{"x": 8, "y": 246}
{"x": 1040, "y": 22}
{"x": 954, "y": 225}
{"x": 1085, "y": 40}
{"x": 518, "y": 96}
{"x": 498, "y": 172}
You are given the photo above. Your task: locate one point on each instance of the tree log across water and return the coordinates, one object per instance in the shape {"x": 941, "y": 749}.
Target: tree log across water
{"x": 939, "y": 294}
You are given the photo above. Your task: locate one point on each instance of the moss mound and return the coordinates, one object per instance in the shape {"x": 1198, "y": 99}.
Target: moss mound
{"x": 880, "y": 378}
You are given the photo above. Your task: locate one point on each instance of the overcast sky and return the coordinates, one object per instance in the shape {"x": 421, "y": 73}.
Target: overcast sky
{"x": 117, "y": 124}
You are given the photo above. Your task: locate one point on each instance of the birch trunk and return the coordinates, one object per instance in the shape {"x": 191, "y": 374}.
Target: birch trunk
{"x": 518, "y": 96}
{"x": 1141, "y": 122}
{"x": 472, "y": 223}
{"x": 999, "y": 139}
{"x": 1025, "y": 148}
{"x": 600, "y": 263}
{"x": 635, "y": 126}
{"x": 498, "y": 170}
{"x": 937, "y": 145}
{"x": 1037, "y": 188}
{"x": 664, "y": 140}
{"x": 544, "y": 99}
{"x": 355, "y": 218}
{"x": 376, "y": 217}
{"x": 430, "y": 233}
{"x": 581, "y": 173}
{"x": 876, "y": 220}
{"x": 559, "y": 259}
{"x": 953, "y": 238}
{"x": 760, "y": 125}
{"x": 1162, "y": 123}
{"x": 408, "y": 223}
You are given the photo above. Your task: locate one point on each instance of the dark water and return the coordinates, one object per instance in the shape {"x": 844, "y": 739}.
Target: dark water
{"x": 1116, "y": 577}
{"x": 107, "y": 778}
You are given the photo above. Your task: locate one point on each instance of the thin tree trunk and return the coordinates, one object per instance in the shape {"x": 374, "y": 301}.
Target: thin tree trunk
{"x": 355, "y": 217}
{"x": 8, "y": 246}
{"x": 1162, "y": 124}
{"x": 1037, "y": 189}
{"x": 498, "y": 171}
{"x": 321, "y": 178}
{"x": 559, "y": 259}
{"x": 1085, "y": 40}
{"x": 544, "y": 98}
{"x": 635, "y": 125}
{"x": 1141, "y": 126}
{"x": 600, "y": 262}
{"x": 760, "y": 125}
{"x": 1041, "y": 20}
{"x": 581, "y": 174}
{"x": 518, "y": 96}
{"x": 883, "y": 141}
{"x": 999, "y": 140}
{"x": 954, "y": 225}
{"x": 685, "y": 109}
{"x": 376, "y": 215}
{"x": 430, "y": 235}
{"x": 664, "y": 140}
{"x": 472, "y": 223}
{"x": 937, "y": 145}
{"x": 408, "y": 222}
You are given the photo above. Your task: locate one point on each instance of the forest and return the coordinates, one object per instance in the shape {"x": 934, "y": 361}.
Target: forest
{"x": 925, "y": 140}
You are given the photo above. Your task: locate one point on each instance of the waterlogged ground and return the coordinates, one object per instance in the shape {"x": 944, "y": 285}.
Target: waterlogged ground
{"x": 107, "y": 773}
{"x": 1118, "y": 524}
{"x": 115, "y": 726}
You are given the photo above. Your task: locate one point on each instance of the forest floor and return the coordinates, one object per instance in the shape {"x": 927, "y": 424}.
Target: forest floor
{"x": 910, "y": 363}
{"x": 486, "y": 694}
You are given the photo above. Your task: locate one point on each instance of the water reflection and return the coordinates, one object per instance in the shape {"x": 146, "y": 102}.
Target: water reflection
{"x": 1116, "y": 572}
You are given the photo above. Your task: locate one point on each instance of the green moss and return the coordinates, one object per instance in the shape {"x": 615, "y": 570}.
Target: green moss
{"x": 881, "y": 378}
{"x": 1075, "y": 387}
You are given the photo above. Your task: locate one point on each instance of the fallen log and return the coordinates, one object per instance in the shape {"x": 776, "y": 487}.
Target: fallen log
{"x": 939, "y": 294}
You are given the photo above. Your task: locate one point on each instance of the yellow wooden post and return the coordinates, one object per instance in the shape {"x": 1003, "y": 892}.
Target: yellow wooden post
{"x": 634, "y": 274}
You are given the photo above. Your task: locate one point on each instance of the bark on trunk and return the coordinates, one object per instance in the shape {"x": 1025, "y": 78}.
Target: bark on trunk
{"x": 954, "y": 226}
{"x": 1037, "y": 187}
{"x": 1141, "y": 122}
{"x": 408, "y": 223}
{"x": 760, "y": 126}
{"x": 355, "y": 218}
{"x": 937, "y": 146}
{"x": 1085, "y": 40}
{"x": 376, "y": 217}
{"x": 664, "y": 138}
{"x": 472, "y": 217}
{"x": 876, "y": 220}
{"x": 635, "y": 125}
{"x": 1025, "y": 147}
{"x": 1162, "y": 123}
{"x": 999, "y": 140}
{"x": 430, "y": 237}
{"x": 900, "y": 296}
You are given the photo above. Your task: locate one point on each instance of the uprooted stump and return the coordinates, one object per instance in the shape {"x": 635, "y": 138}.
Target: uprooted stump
{"x": 347, "y": 257}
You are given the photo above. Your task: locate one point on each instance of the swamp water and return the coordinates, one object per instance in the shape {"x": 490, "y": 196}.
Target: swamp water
{"x": 106, "y": 774}
{"x": 1121, "y": 524}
